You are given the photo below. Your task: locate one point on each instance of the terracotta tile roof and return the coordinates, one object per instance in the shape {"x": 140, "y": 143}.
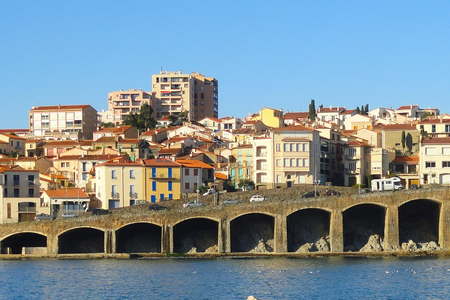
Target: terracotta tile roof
{"x": 170, "y": 151}
{"x": 68, "y": 193}
{"x": 14, "y": 130}
{"x": 407, "y": 107}
{"x": 105, "y": 139}
{"x": 14, "y": 168}
{"x": 397, "y": 127}
{"x": 61, "y": 143}
{"x": 221, "y": 176}
{"x": 89, "y": 157}
{"x": 128, "y": 141}
{"x": 406, "y": 159}
{"x": 121, "y": 129}
{"x": 160, "y": 163}
{"x": 192, "y": 163}
{"x": 436, "y": 140}
{"x": 434, "y": 121}
{"x": 59, "y": 107}
{"x": 296, "y": 115}
{"x": 348, "y": 111}
{"x": 120, "y": 162}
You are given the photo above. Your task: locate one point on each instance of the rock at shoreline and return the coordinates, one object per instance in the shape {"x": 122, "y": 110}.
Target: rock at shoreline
{"x": 251, "y": 298}
{"x": 374, "y": 244}
{"x": 412, "y": 246}
{"x": 321, "y": 245}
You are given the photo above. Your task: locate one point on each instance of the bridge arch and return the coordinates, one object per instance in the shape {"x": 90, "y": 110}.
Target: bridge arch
{"x": 419, "y": 223}
{"x": 81, "y": 239}
{"x": 196, "y": 234}
{"x": 308, "y": 230}
{"x": 252, "y": 232}
{"x": 364, "y": 227}
{"x": 365, "y": 203}
{"x": 14, "y": 243}
{"x": 138, "y": 237}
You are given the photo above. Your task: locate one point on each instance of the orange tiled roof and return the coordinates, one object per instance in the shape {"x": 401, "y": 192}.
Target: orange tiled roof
{"x": 406, "y": 159}
{"x": 69, "y": 193}
{"x": 59, "y": 107}
{"x": 293, "y": 128}
{"x": 160, "y": 163}
{"x": 192, "y": 163}
{"x": 436, "y": 140}
{"x": 221, "y": 176}
{"x": 407, "y": 107}
{"x": 296, "y": 115}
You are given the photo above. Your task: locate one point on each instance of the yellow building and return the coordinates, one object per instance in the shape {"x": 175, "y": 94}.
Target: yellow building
{"x": 163, "y": 180}
{"x": 391, "y": 137}
{"x": 270, "y": 117}
{"x": 120, "y": 183}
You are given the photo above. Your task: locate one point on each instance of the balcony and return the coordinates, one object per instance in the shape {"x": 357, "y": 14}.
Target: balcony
{"x": 115, "y": 196}
{"x": 133, "y": 195}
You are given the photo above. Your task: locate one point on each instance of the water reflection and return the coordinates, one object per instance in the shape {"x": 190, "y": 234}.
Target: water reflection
{"x": 277, "y": 278}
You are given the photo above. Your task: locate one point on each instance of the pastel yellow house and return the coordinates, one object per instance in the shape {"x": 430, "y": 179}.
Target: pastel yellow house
{"x": 162, "y": 180}
{"x": 120, "y": 183}
{"x": 270, "y": 117}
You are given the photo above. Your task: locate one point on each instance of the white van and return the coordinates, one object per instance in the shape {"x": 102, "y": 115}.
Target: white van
{"x": 387, "y": 184}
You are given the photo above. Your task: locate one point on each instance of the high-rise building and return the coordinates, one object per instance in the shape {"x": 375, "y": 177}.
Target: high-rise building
{"x": 177, "y": 92}
{"x": 122, "y": 103}
{"x": 63, "y": 121}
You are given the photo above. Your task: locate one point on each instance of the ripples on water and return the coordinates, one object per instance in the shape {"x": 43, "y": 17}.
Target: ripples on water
{"x": 275, "y": 278}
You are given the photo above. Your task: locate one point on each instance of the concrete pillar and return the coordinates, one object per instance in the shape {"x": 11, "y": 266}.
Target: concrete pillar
{"x": 391, "y": 229}
{"x": 113, "y": 241}
{"x": 337, "y": 231}
{"x": 227, "y": 230}
{"x": 220, "y": 234}
{"x": 170, "y": 237}
{"x": 107, "y": 245}
{"x": 165, "y": 239}
{"x": 52, "y": 244}
{"x": 280, "y": 234}
{"x": 444, "y": 222}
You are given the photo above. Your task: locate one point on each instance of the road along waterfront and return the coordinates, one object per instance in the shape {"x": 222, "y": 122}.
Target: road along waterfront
{"x": 271, "y": 278}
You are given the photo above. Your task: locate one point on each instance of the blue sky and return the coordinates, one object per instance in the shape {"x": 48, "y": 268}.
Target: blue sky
{"x": 274, "y": 53}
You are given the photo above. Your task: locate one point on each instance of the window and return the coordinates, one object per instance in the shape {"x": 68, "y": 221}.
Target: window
{"x": 16, "y": 193}
{"x": 5, "y": 192}
{"x": 30, "y": 193}
{"x": 84, "y": 176}
{"x": 187, "y": 185}
{"x": 170, "y": 196}
{"x": 169, "y": 185}
{"x": 132, "y": 190}
{"x": 430, "y": 164}
{"x": 186, "y": 171}
{"x": 285, "y": 147}
{"x": 113, "y": 174}
{"x": 8, "y": 210}
{"x": 84, "y": 166}
{"x": 113, "y": 190}
{"x": 195, "y": 172}
{"x": 287, "y": 162}
{"x": 16, "y": 179}
{"x": 446, "y": 164}
{"x": 169, "y": 172}
{"x": 132, "y": 176}
{"x": 153, "y": 172}
{"x": 447, "y": 128}
{"x": 153, "y": 185}
{"x": 293, "y": 162}
{"x": 291, "y": 147}
{"x": 277, "y": 147}
{"x": 30, "y": 179}
{"x": 433, "y": 128}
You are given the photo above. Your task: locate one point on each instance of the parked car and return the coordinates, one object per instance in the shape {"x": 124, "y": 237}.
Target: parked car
{"x": 332, "y": 193}
{"x": 210, "y": 192}
{"x": 311, "y": 194}
{"x": 257, "y": 198}
{"x": 157, "y": 207}
{"x": 230, "y": 202}
{"x": 192, "y": 204}
{"x": 364, "y": 191}
{"x": 43, "y": 217}
{"x": 100, "y": 212}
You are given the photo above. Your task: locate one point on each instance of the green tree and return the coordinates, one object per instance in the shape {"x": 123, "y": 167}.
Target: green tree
{"x": 358, "y": 110}
{"x": 107, "y": 125}
{"x": 178, "y": 118}
{"x": 403, "y": 140}
{"x": 142, "y": 120}
{"x": 312, "y": 111}
{"x": 366, "y": 109}
{"x": 409, "y": 142}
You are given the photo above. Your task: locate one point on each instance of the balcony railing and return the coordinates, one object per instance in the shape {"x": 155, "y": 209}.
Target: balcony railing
{"x": 133, "y": 195}
{"x": 115, "y": 195}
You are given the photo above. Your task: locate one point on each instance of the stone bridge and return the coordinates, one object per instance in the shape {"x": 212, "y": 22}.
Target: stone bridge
{"x": 344, "y": 223}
